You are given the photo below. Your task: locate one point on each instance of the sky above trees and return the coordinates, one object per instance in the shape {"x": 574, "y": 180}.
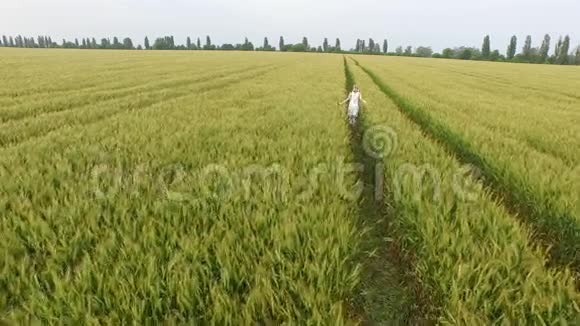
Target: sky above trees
{"x": 440, "y": 24}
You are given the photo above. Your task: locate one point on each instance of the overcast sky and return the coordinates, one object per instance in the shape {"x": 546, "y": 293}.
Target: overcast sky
{"x": 440, "y": 24}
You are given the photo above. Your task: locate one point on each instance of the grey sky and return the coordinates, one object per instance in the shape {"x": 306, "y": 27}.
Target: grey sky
{"x": 440, "y": 24}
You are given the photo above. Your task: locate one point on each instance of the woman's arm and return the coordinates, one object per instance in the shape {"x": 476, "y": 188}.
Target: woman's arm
{"x": 347, "y": 99}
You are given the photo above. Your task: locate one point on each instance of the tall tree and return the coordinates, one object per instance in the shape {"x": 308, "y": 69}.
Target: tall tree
{"x": 146, "y": 43}
{"x": 544, "y": 49}
{"x": 208, "y": 42}
{"x": 305, "y": 43}
{"x": 371, "y": 45}
{"x": 409, "y": 51}
{"x": 188, "y": 42}
{"x": 94, "y": 44}
{"x": 511, "y": 50}
{"x": 116, "y": 43}
{"x": 198, "y": 44}
{"x": 104, "y": 43}
{"x": 281, "y": 44}
{"x": 363, "y": 46}
{"x": 325, "y": 45}
{"x": 578, "y": 55}
{"x": 5, "y": 40}
{"x": 557, "y": 49}
{"x": 337, "y": 45}
{"x": 11, "y": 41}
{"x": 77, "y": 42}
{"x": 486, "y": 47}
{"x": 385, "y": 46}
{"x": 562, "y": 58}
{"x": 527, "y": 49}
{"x": 128, "y": 43}
{"x": 84, "y": 43}
{"x": 19, "y": 42}
{"x": 266, "y": 46}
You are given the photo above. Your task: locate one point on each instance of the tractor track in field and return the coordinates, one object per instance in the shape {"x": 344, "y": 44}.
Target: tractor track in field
{"x": 389, "y": 292}
{"x": 554, "y": 228}
{"x": 108, "y": 74}
{"x": 502, "y": 82}
{"x": 17, "y": 113}
{"x": 101, "y": 115}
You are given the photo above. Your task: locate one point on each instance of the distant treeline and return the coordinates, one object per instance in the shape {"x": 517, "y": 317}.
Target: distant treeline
{"x": 562, "y": 51}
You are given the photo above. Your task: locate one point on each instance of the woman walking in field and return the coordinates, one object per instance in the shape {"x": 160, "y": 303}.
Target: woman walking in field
{"x": 353, "y": 100}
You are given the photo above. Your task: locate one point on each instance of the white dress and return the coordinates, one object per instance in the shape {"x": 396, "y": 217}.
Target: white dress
{"x": 353, "y": 105}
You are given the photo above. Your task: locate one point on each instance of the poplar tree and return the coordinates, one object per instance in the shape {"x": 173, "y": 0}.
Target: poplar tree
{"x": 325, "y": 45}
{"x": 486, "y": 47}
{"x": 146, "y": 43}
{"x": 281, "y": 44}
{"x": 511, "y": 50}
{"x": 562, "y": 58}
{"x": 544, "y": 49}
{"x": 371, "y": 45}
{"x": 557, "y": 49}
{"x": 188, "y": 43}
{"x": 337, "y": 45}
{"x": 385, "y": 46}
{"x": 527, "y": 49}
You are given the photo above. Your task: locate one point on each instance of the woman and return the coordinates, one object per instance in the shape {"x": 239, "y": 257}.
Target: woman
{"x": 354, "y": 99}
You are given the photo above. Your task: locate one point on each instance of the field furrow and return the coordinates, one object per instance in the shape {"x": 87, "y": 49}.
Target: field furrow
{"x": 23, "y": 130}
{"x": 81, "y": 99}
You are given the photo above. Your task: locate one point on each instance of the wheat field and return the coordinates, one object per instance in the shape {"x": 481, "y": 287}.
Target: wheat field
{"x": 141, "y": 187}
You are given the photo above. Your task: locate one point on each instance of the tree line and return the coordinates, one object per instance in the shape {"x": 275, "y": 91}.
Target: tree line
{"x": 563, "y": 54}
